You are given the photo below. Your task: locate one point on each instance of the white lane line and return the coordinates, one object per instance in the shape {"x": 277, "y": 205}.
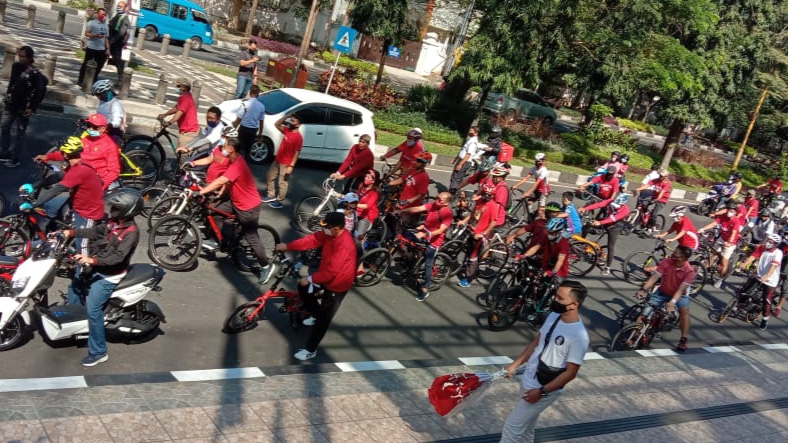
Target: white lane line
{"x": 39, "y": 384}
{"x": 718, "y": 349}
{"x": 490, "y": 360}
{"x": 217, "y": 374}
{"x": 657, "y": 352}
{"x": 772, "y": 346}
{"x": 361, "y": 366}
{"x": 593, "y": 356}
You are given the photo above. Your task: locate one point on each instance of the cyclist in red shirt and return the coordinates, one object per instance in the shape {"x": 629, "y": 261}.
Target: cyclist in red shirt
{"x": 659, "y": 190}
{"x": 409, "y": 149}
{"x": 610, "y": 217}
{"x": 554, "y": 262}
{"x": 244, "y": 202}
{"x": 185, "y": 113}
{"x": 730, "y": 225}
{"x": 682, "y": 227}
{"x": 484, "y": 215}
{"x": 286, "y": 158}
{"x": 415, "y": 183}
{"x": 774, "y": 187}
{"x": 367, "y": 209}
{"x": 433, "y": 232}
{"x": 748, "y": 210}
{"x": 359, "y": 160}
{"x": 501, "y": 196}
{"x": 217, "y": 162}
{"x": 608, "y": 185}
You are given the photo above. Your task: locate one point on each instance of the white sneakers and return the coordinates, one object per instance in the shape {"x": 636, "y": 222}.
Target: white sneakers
{"x": 304, "y": 354}
{"x": 309, "y": 321}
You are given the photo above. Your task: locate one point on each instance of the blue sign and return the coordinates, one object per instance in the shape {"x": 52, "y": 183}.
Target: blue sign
{"x": 394, "y": 52}
{"x": 345, "y": 38}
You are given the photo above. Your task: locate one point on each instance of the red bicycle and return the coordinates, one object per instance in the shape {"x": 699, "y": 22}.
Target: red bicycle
{"x": 246, "y": 316}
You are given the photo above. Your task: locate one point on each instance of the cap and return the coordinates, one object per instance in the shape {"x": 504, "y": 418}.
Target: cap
{"x": 333, "y": 220}
{"x": 751, "y": 192}
{"x": 183, "y": 81}
{"x": 97, "y": 120}
{"x": 663, "y": 172}
{"x": 611, "y": 169}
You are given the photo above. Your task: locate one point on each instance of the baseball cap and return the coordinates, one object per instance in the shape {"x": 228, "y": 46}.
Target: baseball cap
{"x": 611, "y": 169}
{"x": 97, "y": 120}
{"x": 663, "y": 172}
{"x": 333, "y": 220}
{"x": 183, "y": 81}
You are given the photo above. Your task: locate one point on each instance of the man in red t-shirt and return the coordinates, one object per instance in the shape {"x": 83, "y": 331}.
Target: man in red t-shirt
{"x": 244, "y": 202}
{"x": 730, "y": 225}
{"x": 501, "y": 195}
{"x": 554, "y": 260}
{"x": 433, "y": 231}
{"x": 660, "y": 189}
{"x": 608, "y": 185}
{"x": 682, "y": 227}
{"x": 335, "y": 274}
{"x": 484, "y": 215}
{"x": 409, "y": 149}
{"x": 185, "y": 113}
{"x": 217, "y": 162}
{"x": 286, "y": 158}
{"x": 415, "y": 185}
{"x": 774, "y": 187}
{"x": 359, "y": 160}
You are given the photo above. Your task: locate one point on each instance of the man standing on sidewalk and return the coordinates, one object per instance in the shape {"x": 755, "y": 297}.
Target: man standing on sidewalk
{"x": 97, "y": 48}
{"x": 247, "y": 69}
{"x": 250, "y": 118}
{"x": 286, "y": 158}
{"x": 118, "y": 35}
{"x": 26, "y": 90}
{"x": 185, "y": 111}
{"x": 553, "y": 360}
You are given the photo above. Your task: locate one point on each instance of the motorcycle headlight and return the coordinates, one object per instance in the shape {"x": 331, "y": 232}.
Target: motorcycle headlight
{"x": 18, "y": 286}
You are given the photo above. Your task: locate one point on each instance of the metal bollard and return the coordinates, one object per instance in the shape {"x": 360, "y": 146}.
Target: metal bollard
{"x": 61, "y": 22}
{"x": 9, "y": 57}
{"x": 196, "y": 89}
{"x": 187, "y": 47}
{"x": 161, "y": 91}
{"x": 90, "y": 76}
{"x": 141, "y": 39}
{"x": 3, "y": 4}
{"x": 49, "y": 67}
{"x": 125, "y": 83}
{"x": 165, "y": 44}
{"x": 31, "y": 16}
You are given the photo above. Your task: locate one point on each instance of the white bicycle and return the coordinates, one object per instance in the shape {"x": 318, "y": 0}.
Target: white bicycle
{"x": 311, "y": 209}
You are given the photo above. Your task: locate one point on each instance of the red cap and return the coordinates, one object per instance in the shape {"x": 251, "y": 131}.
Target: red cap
{"x": 97, "y": 120}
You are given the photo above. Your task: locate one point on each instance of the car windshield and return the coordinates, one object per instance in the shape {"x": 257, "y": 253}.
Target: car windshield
{"x": 200, "y": 17}
{"x": 277, "y": 101}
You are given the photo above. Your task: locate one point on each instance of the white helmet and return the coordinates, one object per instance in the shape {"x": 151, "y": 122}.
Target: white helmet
{"x": 620, "y": 201}
{"x": 102, "y": 86}
{"x": 678, "y": 210}
{"x": 230, "y": 131}
{"x": 775, "y": 238}
{"x": 540, "y": 157}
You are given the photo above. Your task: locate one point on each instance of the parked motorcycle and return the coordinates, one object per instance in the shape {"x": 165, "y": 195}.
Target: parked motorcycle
{"x": 126, "y": 314}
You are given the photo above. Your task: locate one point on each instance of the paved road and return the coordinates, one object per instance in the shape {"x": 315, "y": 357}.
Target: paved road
{"x": 379, "y": 323}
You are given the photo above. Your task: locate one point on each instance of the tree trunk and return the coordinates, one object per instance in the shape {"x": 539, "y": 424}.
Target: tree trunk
{"x": 383, "y": 55}
{"x": 635, "y": 103}
{"x": 250, "y": 19}
{"x": 482, "y": 99}
{"x": 671, "y": 141}
{"x": 235, "y": 14}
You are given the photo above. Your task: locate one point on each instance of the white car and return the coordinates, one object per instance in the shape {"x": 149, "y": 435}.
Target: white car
{"x": 330, "y": 126}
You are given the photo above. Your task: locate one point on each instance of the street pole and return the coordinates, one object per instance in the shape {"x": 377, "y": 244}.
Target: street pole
{"x": 333, "y": 70}
{"x": 749, "y": 127}
{"x": 310, "y": 26}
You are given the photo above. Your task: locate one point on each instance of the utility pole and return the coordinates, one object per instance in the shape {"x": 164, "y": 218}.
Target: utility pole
{"x": 459, "y": 40}
{"x": 310, "y": 26}
{"x": 753, "y": 117}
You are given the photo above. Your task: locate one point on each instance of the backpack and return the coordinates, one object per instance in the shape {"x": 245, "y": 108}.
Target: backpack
{"x": 507, "y": 153}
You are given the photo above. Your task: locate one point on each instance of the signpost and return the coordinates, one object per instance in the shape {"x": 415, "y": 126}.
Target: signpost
{"x": 343, "y": 44}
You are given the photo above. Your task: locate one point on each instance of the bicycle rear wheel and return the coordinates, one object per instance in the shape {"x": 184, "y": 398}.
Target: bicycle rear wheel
{"x": 148, "y": 174}
{"x": 634, "y": 265}
{"x": 151, "y": 196}
{"x": 242, "y": 319}
{"x": 307, "y": 217}
{"x": 582, "y": 258}
{"x": 174, "y": 243}
{"x": 501, "y": 313}
{"x": 501, "y": 282}
{"x": 167, "y": 206}
{"x": 700, "y": 277}
{"x": 456, "y": 249}
{"x": 149, "y": 145}
{"x": 630, "y": 314}
{"x": 14, "y": 242}
{"x": 243, "y": 255}
{"x": 441, "y": 270}
{"x": 493, "y": 259}
{"x": 374, "y": 264}
{"x": 627, "y": 338}
{"x": 729, "y": 309}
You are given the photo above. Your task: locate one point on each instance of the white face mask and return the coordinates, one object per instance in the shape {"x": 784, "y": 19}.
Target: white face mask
{"x": 675, "y": 219}
{"x": 769, "y": 244}
{"x": 731, "y": 214}
{"x": 225, "y": 153}
{"x": 410, "y": 143}
{"x": 327, "y": 231}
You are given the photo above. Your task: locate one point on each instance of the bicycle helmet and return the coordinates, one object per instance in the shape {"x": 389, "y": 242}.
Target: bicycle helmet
{"x": 424, "y": 157}
{"x": 556, "y": 224}
{"x": 765, "y": 212}
{"x": 540, "y": 157}
{"x": 499, "y": 171}
{"x": 350, "y": 197}
{"x": 620, "y": 201}
{"x": 496, "y": 131}
{"x": 775, "y": 238}
{"x": 230, "y": 131}
{"x": 102, "y": 86}
{"x": 415, "y": 133}
{"x": 737, "y": 175}
{"x": 624, "y": 159}
{"x": 26, "y": 190}
{"x": 553, "y": 207}
{"x": 488, "y": 189}
{"x": 615, "y": 154}
{"x": 124, "y": 203}
{"x": 678, "y": 211}
{"x": 72, "y": 148}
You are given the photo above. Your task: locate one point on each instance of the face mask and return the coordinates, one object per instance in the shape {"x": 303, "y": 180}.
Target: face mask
{"x": 225, "y": 153}
{"x": 120, "y": 10}
{"x": 101, "y": 17}
{"x": 769, "y": 244}
{"x": 731, "y": 214}
{"x": 222, "y": 142}
{"x": 675, "y": 219}
{"x": 213, "y": 124}
{"x": 93, "y": 132}
{"x": 253, "y": 51}
{"x": 410, "y": 143}
{"x": 558, "y": 308}
{"x": 327, "y": 231}
{"x": 554, "y": 237}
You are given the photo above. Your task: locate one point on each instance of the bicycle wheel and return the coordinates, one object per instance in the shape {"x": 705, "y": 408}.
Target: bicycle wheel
{"x": 168, "y": 206}
{"x": 243, "y": 255}
{"x": 518, "y": 214}
{"x": 149, "y": 145}
{"x": 307, "y": 217}
{"x": 174, "y": 243}
{"x": 148, "y": 174}
{"x": 501, "y": 313}
{"x": 634, "y": 265}
{"x": 628, "y": 225}
{"x": 501, "y": 282}
{"x": 630, "y": 314}
{"x": 627, "y": 339}
{"x": 582, "y": 258}
{"x": 729, "y": 309}
{"x": 659, "y": 222}
{"x": 14, "y": 242}
{"x": 456, "y": 249}
{"x": 373, "y": 266}
{"x": 242, "y": 319}
{"x": 700, "y": 278}
{"x": 493, "y": 259}
{"x": 150, "y": 197}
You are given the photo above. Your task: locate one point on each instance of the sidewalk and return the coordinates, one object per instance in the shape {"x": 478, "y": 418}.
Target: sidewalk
{"x": 722, "y": 394}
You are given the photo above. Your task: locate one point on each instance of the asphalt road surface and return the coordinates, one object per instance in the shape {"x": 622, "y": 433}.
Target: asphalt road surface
{"x": 383, "y": 322}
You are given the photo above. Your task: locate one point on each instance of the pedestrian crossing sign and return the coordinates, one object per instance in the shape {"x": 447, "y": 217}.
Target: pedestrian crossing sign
{"x": 345, "y": 38}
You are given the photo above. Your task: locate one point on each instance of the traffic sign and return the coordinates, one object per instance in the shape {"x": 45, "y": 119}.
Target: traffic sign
{"x": 394, "y": 52}
{"x": 345, "y": 38}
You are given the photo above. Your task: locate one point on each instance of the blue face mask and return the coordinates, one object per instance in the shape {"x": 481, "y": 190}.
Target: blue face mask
{"x": 93, "y": 132}
{"x": 213, "y": 124}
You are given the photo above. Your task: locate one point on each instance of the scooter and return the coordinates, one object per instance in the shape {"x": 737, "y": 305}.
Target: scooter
{"x": 126, "y": 314}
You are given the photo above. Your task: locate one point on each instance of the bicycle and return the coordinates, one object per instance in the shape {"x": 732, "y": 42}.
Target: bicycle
{"x": 747, "y": 303}
{"x": 514, "y": 273}
{"x": 246, "y": 316}
{"x": 175, "y": 241}
{"x": 151, "y": 145}
{"x": 311, "y": 210}
{"x": 710, "y": 256}
{"x": 530, "y": 302}
{"x": 176, "y": 203}
{"x": 641, "y": 216}
{"x": 636, "y": 265}
{"x": 584, "y": 253}
{"x": 655, "y": 321}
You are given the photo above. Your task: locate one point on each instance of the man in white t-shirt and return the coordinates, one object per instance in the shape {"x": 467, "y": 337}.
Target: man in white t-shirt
{"x": 769, "y": 256}
{"x": 541, "y": 187}
{"x": 567, "y": 343}
{"x": 466, "y": 159}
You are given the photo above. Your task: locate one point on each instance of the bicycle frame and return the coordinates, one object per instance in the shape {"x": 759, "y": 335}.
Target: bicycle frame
{"x": 328, "y": 187}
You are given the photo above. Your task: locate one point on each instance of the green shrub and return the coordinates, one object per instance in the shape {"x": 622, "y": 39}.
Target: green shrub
{"x": 635, "y": 126}
{"x": 597, "y": 111}
{"x": 421, "y": 98}
{"x": 577, "y": 143}
{"x": 400, "y": 122}
{"x": 369, "y": 70}
{"x": 660, "y": 130}
{"x": 82, "y": 4}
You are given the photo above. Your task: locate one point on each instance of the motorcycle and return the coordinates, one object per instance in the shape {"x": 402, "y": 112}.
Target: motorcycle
{"x": 712, "y": 200}
{"x": 126, "y": 314}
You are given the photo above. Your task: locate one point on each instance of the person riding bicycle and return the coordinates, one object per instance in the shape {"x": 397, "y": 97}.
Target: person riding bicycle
{"x": 683, "y": 229}
{"x": 749, "y": 208}
{"x": 111, "y": 108}
{"x": 244, "y": 202}
{"x": 99, "y": 152}
{"x": 367, "y": 209}
{"x": 769, "y": 257}
{"x": 615, "y": 161}
{"x": 498, "y": 177}
{"x": 657, "y": 192}
{"x": 608, "y": 186}
{"x": 208, "y": 138}
{"x": 774, "y": 187}
{"x": 484, "y": 216}
{"x": 411, "y": 147}
{"x": 348, "y": 206}
{"x": 730, "y": 225}
{"x": 574, "y": 224}
{"x": 360, "y": 159}
{"x": 433, "y": 231}
{"x": 466, "y": 159}
{"x": 762, "y": 227}
{"x": 114, "y": 244}
{"x": 537, "y": 243}
{"x": 677, "y": 275}
{"x": 481, "y": 176}
{"x": 335, "y": 275}
{"x": 541, "y": 187}
{"x": 217, "y": 162}
{"x": 415, "y": 183}
{"x": 554, "y": 262}
{"x": 610, "y": 217}
{"x": 492, "y": 146}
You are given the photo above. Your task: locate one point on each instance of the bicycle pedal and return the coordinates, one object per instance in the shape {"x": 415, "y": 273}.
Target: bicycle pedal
{"x": 531, "y": 317}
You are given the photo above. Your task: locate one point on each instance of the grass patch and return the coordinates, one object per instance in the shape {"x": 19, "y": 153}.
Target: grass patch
{"x": 570, "y": 112}
{"x": 141, "y": 68}
{"x": 223, "y": 70}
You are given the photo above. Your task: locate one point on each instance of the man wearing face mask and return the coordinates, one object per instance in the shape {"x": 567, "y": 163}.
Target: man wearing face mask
{"x": 769, "y": 258}
{"x": 184, "y": 113}
{"x": 97, "y": 49}
{"x": 682, "y": 228}
{"x": 335, "y": 275}
{"x": 209, "y": 137}
{"x": 118, "y": 35}
{"x": 608, "y": 185}
{"x": 409, "y": 149}
{"x": 484, "y": 216}
{"x": 610, "y": 217}
{"x": 286, "y": 157}
{"x": 763, "y": 227}
{"x": 415, "y": 183}
{"x": 359, "y": 160}
{"x": 247, "y": 69}
{"x": 730, "y": 226}
{"x": 659, "y": 191}
{"x": 677, "y": 275}
{"x": 466, "y": 159}
{"x": 541, "y": 188}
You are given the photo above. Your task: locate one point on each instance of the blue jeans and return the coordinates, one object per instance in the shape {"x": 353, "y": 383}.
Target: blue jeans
{"x": 244, "y": 85}
{"x": 429, "y": 260}
{"x": 98, "y": 293}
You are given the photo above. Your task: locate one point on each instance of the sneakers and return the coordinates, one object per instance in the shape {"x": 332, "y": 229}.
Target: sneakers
{"x": 92, "y": 360}
{"x": 304, "y": 354}
{"x": 464, "y": 283}
{"x": 210, "y": 245}
{"x": 423, "y": 296}
{"x": 682, "y": 346}
{"x": 266, "y": 272}
{"x": 764, "y": 323}
{"x": 309, "y": 321}
{"x": 269, "y": 199}
{"x": 718, "y": 284}
{"x": 606, "y": 270}
{"x": 275, "y": 204}
{"x": 12, "y": 163}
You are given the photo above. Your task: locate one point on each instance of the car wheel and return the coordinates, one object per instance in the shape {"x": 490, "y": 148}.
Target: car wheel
{"x": 548, "y": 121}
{"x": 150, "y": 33}
{"x": 262, "y": 151}
{"x": 196, "y": 43}
{"x": 510, "y": 116}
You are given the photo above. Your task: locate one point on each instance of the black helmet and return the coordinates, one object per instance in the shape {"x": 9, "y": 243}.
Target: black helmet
{"x": 765, "y": 212}
{"x": 730, "y": 204}
{"x": 655, "y": 167}
{"x": 624, "y": 159}
{"x": 495, "y": 131}
{"x": 124, "y": 203}
{"x": 737, "y": 175}
{"x": 616, "y": 153}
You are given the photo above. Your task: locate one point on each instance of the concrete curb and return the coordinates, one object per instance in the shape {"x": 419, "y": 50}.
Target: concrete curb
{"x": 52, "y": 6}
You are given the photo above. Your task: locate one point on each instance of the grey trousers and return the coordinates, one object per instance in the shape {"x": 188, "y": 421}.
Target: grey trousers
{"x": 520, "y": 425}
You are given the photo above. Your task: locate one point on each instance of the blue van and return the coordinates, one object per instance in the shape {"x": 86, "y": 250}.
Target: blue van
{"x": 182, "y": 19}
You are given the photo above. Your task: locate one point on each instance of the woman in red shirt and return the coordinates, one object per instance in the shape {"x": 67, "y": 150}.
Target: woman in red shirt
{"x": 367, "y": 209}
